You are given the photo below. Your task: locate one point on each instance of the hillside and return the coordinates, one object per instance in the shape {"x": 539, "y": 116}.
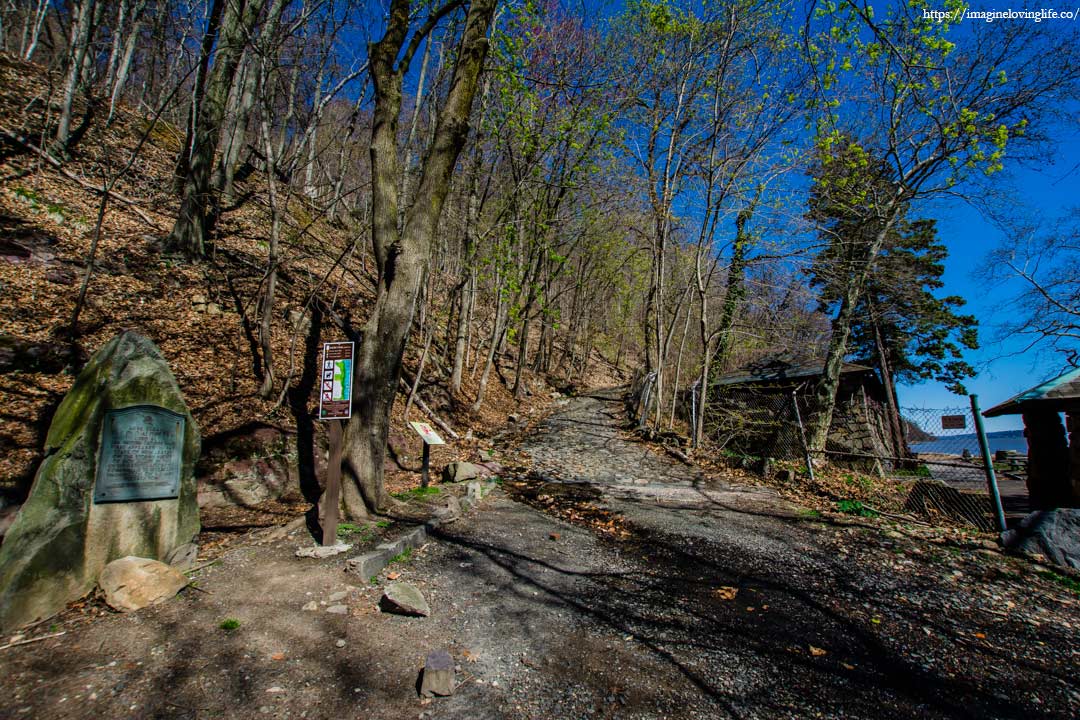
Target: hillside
{"x": 202, "y": 315}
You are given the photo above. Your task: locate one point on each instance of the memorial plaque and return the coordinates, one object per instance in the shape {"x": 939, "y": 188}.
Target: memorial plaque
{"x": 141, "y": 455}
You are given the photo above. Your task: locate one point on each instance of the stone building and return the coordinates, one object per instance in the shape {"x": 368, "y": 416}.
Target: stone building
{"x": 1053, "y": 472}
{"x": 752, "y": 411}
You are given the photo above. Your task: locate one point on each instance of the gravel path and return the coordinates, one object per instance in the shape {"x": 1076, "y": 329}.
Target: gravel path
{"x": 710, "y": 601}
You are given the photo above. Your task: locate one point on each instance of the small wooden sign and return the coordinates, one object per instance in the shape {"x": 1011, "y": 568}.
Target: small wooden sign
{"x": 427, "y": 433}
{"x": 954, "y": 422}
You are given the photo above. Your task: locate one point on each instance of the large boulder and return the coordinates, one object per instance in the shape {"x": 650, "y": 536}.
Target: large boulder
{"x": 1053, "y": 533}
{"x": 61, "y": 540}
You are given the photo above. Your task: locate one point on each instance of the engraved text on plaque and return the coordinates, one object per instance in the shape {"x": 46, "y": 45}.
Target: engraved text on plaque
{"x": 141, "y": 455}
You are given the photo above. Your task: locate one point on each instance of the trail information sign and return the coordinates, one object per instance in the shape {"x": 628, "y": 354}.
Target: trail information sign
{"x": 335, "y": 387}
{"x": 425, "y": 431}
{"x": 141, "y": 455}
{"x": 954, "y": 422}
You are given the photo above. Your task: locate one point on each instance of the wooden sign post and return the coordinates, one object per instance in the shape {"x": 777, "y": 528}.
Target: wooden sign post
{"x": 430, "y": 437}
{"x": 335, "y": 405}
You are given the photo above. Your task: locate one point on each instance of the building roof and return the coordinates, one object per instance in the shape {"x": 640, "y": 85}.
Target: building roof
{"x": 1061, "y": 393}
{"x": 774, "y": 370}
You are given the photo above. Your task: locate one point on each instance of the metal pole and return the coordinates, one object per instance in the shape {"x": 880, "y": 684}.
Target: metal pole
{"x": 425, "y": 466}
{"x": 991, "y": 479}
{"x": 802, "y": 434}
{"x": 693, "y": 415}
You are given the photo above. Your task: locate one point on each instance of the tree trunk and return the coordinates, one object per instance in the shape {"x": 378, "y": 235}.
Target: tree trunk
{"x": 825, "y": 390}
{"x": 402, "y": 258}
{"x": 124, "y": 68}
{"x": 189, "y": 234}
{"x": 81, "y": 32}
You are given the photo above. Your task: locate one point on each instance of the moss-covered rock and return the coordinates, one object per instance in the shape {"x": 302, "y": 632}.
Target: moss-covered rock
{"x": 60, "y": 540}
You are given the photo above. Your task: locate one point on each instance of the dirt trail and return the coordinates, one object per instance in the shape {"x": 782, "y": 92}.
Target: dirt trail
{"x": 718, "y": 601}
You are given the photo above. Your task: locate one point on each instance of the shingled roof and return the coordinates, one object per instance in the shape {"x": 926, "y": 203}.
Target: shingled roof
{"x": 772, "y": 371}
{"x": 1061, "y": 393}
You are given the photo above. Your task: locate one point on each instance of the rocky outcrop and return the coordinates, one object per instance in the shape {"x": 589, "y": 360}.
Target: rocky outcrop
{"x": 60, "y": 541}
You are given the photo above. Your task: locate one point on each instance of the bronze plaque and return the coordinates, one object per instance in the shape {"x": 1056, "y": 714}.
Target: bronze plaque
{"x": 141, "y": 455}
{"x": 954, "y": 422}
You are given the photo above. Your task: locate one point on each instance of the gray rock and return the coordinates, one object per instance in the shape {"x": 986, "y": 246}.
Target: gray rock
{"x": 450, "y": 509}
{"x": 1053, "y": 533}
{"x": 61, "y": 541}
{"x": 459, "y": 470}
{"x": 474, "y": 491}
{"x": 338, "y": 596}
{"x": 132, "y": 583}
{"x": 323, "y": 551}
{"x": 183, "y": 557}
{"x": 340, "y": 643}
{"x": 246, "y": 491}
{"x": 438, "y": 677}
{"x": 404, "y": 599}
{"x": 338, "y": 609}
{"x": 368, "y": 564}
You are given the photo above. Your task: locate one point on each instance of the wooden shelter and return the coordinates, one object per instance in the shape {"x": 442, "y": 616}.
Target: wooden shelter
{"x": 755, "y": 406}
{"x": 1053, "y": 475}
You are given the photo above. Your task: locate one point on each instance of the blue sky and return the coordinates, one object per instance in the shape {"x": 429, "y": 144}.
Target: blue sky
{"x": 1050, "y": 191}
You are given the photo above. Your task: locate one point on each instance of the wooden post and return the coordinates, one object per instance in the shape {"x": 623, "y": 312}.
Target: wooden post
{"x": 425, "y": 466}
{"x": 333, "y": 486}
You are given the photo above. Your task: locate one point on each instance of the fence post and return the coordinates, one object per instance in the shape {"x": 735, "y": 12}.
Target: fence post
{"x": 802, "y": 434}
{"x": 988, "y": 463}
{"x": 693, "y": 415}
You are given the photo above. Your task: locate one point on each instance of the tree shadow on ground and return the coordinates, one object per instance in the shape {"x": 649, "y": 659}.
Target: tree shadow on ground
{"x": 671, "y": 609}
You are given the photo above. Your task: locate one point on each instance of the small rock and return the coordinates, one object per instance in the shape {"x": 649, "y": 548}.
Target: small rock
{"x": 310, "y": 607}
{"x": 450, "y": 511}
{"x": 404, "y": 599}
{"x": 340, "y": 643}
{"x": 131, "y": 583}
{"x": 460, "y": 471}
{"x": 338, "y": 609}
{"x": 438, "y": 674}
{"x": 276, "y": 690}
{"x": 323, "y": 551}
{"x": 183, "y": 556}
{"x": 338, "y": 596}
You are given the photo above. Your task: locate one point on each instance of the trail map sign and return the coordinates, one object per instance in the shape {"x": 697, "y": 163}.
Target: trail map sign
{"x": 954, "y": 422}
{"x": 425, "y": 431}
{"x": 141, "y": 455}
{"x": 335, "y": 387}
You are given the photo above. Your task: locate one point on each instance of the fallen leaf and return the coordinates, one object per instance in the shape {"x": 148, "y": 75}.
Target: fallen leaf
{"x": 277, "y": 656}
{"x": 846, "y": 666}
{"x": 726, "y": 592}
{"x": 981, "y": 636}
{"x": 468, "y": 655}
{"x": 393, "y": 575}
{"x": 555, "y": 536}
{"x": 750, "y": 608}
{"x": 817, "y": 652}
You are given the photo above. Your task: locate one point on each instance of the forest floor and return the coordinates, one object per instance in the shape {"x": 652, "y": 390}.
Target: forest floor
{"x": 602, "y": 580}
